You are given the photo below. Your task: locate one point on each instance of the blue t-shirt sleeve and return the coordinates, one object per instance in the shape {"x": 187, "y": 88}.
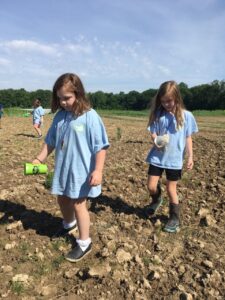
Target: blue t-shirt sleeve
{"x": 98, "y": 135}
{"x": 50, "y": 138}
{"x": 42, "y": 111}
{"x": 152, "y": 128}
{"x": 191, "y": 125}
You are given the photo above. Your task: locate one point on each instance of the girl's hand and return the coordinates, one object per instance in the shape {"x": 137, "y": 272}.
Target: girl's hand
{"x": 95, "y": 178}
{"x": 190, "y": 163}
{"x": 36, "y": 161}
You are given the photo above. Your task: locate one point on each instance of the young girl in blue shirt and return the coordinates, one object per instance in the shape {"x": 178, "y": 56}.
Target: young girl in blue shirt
{"x": 1, "y": 114}
{"x": 79, "y": 138}
{"x": 171, "y": 127}
{"x": 38, "y": 115}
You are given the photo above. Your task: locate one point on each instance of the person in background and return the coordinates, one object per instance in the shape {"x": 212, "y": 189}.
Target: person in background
{"x": 79, "y": 138}
{"x": 38, "y": 116}
{"x": 171, "y": 127}
{"x": 1, "y": 114}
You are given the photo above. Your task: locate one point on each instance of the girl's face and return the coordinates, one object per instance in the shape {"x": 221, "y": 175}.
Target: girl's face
{"x": 35, "y": 104}
{"x": 66, "y": 98}
{"x": 168, "y": 103}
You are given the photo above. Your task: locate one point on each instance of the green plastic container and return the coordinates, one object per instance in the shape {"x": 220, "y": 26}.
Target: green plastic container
{"x": 34, "y": 169}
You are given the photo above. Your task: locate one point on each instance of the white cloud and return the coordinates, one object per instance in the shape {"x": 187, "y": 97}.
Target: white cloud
{"x": 77, "y": 48}
{"x": 29, "y": 46}
{"x": 164, "y": 70}
{"x": 4, "y": 62}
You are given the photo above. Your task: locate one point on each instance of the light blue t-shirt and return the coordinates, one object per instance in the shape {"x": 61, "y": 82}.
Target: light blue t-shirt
{"x": 173, "y": 155}
{"x": 76, "y": 141}
{"x": 37, "y": 114}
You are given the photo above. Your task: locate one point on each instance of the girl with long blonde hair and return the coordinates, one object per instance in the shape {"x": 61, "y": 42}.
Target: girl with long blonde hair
{"x": 171, "y": 127}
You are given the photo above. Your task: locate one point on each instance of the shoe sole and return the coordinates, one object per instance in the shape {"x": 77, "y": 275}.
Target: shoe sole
{"x": 76, "y": 260}
{"x": 171, "y": 230}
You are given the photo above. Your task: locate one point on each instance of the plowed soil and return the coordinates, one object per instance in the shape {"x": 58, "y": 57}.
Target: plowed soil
{"x": 132, "y": 258}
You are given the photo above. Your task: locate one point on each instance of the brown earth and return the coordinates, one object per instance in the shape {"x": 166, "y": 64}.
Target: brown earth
{"x": 132, "y": 258}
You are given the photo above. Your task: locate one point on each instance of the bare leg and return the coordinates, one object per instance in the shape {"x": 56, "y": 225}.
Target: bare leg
{"x": 171, "y": 187}
{"x": 66, "y": 205}
{"x": 83, "y": 218}
{"x": 84, "y": 244}
{"x": 174, "y": 208}
{"x": 152, "y": 184}
{"x": 37, "y": 129}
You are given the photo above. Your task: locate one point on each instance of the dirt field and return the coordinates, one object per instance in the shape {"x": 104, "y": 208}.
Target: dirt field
{"x": 132, "y": 258}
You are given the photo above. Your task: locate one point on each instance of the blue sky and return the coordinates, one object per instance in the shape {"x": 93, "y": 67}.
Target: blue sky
{"x": 114, "y": 46}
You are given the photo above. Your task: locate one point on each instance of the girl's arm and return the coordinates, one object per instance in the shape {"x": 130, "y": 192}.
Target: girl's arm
{"x": 96, "y": 175}
{"x": 41, "y": 157}
{"x": 189, "y": 151}
{"x": 153, "y": 136}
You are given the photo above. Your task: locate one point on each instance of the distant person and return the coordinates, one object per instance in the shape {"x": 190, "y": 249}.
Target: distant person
{"x": 80, "y": 141}
{"x": 1, "y": 114}
{"x": 38, "y": 116}
{"x": 171, "y": 127}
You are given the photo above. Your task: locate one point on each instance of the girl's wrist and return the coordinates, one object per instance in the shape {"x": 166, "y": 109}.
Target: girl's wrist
{"x": 39, "y": 160}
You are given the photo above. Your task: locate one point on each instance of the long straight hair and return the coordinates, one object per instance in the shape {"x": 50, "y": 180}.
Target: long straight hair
{"x": 168, "y": 88}
{"x": 74, "y": 85}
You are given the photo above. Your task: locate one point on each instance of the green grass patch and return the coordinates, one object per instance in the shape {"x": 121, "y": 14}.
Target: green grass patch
{"x": 209, "y": 113}
{"x": 57, "y": 262}
{"x": 145, "y": 113}
{"x": 42, "y": 269}
{"x": 17, "y": 287}
{"x": 125, "y": 113}
{"x": 48, "y": 180}
{"x": 57, "y": 244}
{"x": 16, "y": 112}
{"x": 118, "y": 133}
{"x": 146, "y": 260}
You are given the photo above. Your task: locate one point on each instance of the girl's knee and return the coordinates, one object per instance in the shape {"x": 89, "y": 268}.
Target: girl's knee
{"x": 64, "y": 200}
{"x": 80, "y": 205}
{"x": 152, "y": 189}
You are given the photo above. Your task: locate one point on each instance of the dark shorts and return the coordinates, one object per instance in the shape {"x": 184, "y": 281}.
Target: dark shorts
{"x": 171, "y": 174}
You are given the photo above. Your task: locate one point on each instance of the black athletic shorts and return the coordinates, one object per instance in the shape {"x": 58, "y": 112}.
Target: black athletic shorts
{"x": 171, "y": 174}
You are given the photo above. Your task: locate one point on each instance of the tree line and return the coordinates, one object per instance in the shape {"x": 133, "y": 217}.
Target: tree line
{"x": 202, "y": 97}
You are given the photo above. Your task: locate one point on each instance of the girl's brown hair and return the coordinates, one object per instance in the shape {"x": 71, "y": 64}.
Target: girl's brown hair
{"x": 169, "y": 88}
{"x": 74, "y": 85}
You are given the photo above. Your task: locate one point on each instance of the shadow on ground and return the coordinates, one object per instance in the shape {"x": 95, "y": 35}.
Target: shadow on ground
{"x": 25, "y": 134}
{"x": 42, "y": 222}
{"x": 118, "y": 205}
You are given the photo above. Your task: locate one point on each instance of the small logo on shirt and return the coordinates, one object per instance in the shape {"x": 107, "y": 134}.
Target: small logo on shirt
{"x": 79, "y": 128}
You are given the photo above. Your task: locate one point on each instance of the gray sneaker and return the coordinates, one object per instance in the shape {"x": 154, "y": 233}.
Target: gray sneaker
{"x": 77, "y": 253}
{"x": 172, "y": 225}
